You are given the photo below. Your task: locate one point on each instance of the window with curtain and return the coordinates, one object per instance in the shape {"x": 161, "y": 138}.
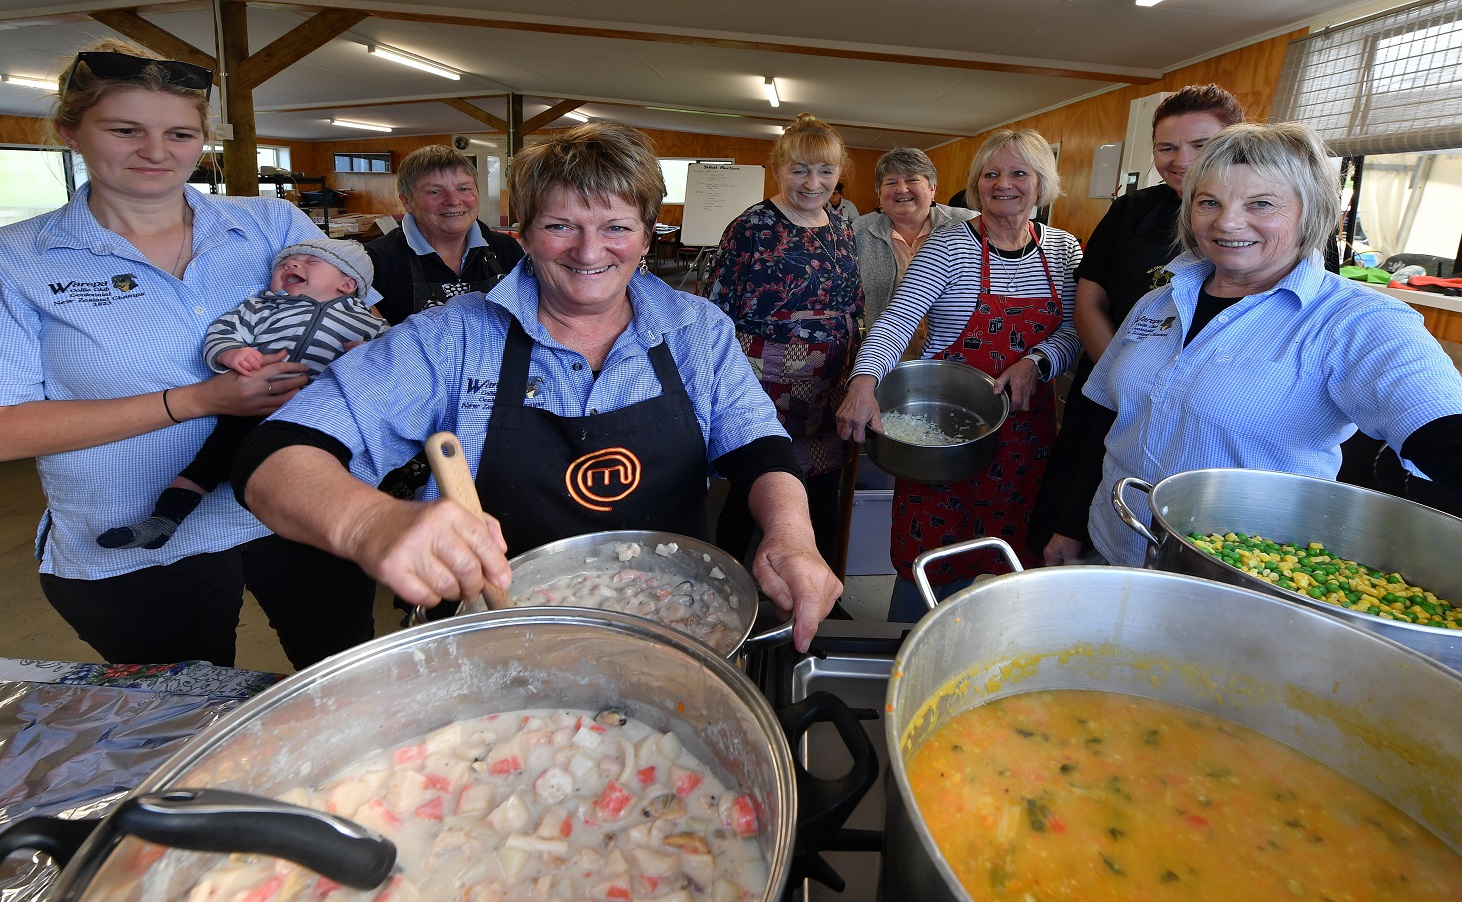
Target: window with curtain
{"x": 1388, "y": 83}
{"x": 1386, "y": 91}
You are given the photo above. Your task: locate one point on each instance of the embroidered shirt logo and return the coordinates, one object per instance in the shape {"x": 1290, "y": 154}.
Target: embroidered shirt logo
{"x": 96, "y": 292}
{"x": 600, "y": 478}
{"x": 1158, "y": 276}
{"x": 1147, "y": 325}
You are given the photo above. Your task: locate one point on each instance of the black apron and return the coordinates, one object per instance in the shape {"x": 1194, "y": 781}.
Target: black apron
{"x": 547, "y": 477}
{"x": 480, "y": 272}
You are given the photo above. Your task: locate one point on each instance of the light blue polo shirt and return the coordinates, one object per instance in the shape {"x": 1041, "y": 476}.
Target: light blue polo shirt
{"x": 439, "y": 369}
{"x": 84, "y": 315}
{"x": 1275, "y": 382}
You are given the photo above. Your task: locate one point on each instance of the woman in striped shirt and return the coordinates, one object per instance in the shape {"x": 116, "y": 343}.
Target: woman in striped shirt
{"x": 999, "y": 294}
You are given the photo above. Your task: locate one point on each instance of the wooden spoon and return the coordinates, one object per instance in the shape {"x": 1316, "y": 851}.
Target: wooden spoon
{"x": 454, "y": 480}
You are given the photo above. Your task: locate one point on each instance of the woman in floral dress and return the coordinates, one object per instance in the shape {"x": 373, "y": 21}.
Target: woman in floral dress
{"x": 787, "y": 275}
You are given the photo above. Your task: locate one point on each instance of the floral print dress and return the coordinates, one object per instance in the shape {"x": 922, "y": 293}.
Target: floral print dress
{"x": 795, "y": 297}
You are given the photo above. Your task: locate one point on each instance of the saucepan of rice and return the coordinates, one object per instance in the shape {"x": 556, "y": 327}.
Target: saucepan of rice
{"x": 940, "y": 419}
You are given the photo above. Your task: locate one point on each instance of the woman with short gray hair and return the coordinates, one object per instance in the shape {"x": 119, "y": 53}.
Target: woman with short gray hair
{"x": 888, "y": 238}
{"x": 1253, "y": 355}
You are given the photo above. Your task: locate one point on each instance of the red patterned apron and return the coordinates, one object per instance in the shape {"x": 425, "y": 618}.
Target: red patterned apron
{"x": 998, "y": 502}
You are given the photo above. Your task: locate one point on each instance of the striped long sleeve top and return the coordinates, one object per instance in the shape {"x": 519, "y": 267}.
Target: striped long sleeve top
{"x": 943, "y": 280}
{"x": 314, "y": 332}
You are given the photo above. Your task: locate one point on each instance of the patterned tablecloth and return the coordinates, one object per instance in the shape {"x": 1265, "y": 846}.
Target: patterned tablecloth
{"x": 75, "y": 738}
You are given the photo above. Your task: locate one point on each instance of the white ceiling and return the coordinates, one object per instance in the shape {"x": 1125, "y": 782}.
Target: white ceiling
{"x": 923, "y": 97}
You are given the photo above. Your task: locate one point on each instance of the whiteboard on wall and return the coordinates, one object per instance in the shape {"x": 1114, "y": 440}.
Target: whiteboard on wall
{"x": 715, "y": 194}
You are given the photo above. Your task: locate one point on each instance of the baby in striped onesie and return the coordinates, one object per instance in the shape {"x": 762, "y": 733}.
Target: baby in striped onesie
{"x": 315, "y": 308}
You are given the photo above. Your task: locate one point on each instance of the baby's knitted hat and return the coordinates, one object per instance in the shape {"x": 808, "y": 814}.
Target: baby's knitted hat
{"x": 348, "y": 256}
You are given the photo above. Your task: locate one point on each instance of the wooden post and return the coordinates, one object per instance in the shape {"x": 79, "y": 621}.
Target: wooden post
{"x": 241, "y": 154}
{"x": 515, "y": 123}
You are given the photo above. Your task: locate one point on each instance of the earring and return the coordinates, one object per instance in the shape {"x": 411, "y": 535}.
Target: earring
{"x": 644, "y": 267}
{"x": 528, "y": 265}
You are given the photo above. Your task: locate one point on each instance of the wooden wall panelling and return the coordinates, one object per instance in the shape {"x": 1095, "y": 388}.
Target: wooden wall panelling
{"x": 1444, "y": 324}
{"x": 1250, "y": 73}
{"x": 23, "y": 130}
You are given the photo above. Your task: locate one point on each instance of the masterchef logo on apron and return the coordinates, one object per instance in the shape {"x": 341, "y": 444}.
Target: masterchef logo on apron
{"x": 600, "y": 478}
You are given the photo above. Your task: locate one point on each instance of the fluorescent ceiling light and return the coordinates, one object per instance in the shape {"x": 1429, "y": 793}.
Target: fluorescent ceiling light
{"x": 577, "y": 117}
{"x": 370, "y": 127}
{"x": 22, "y": 81}
{"x": 404, "y": 59}
{"x": 771, "y": 85}
{"x": 671, "y": 109}
{"x": 1148, "y": 2}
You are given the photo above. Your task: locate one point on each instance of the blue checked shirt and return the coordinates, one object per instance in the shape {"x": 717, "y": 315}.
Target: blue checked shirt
{"x": 438, "y": 370}
{"x": 83, "y": 315}
{"x": 1275, "y": 382}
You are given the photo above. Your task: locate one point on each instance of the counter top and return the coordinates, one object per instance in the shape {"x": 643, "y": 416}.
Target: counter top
{"x": 1423, "y": 298}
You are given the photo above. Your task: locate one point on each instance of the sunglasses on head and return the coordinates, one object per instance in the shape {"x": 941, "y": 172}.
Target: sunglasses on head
{"x": 124, "y": 67}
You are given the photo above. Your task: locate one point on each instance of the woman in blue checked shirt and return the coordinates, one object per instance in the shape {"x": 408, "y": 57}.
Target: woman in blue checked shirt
{"x": 104, "y": 305}
{"x": 588, "y": 395}
{"x": 1253, "y": 355}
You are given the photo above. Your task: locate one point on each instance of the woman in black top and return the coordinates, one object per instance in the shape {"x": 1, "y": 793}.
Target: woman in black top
{"x": 1124, "y": 259}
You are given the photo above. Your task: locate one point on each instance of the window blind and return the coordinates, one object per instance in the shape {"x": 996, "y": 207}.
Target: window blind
{"x": 1389, "y": 83}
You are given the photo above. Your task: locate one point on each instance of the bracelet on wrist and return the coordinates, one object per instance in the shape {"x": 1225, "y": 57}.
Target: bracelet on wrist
{"x": 168, "y": 409}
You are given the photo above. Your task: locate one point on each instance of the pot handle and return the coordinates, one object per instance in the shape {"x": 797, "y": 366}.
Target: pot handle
{"x": 57, "y": 837}
{"x": 777, "y": 635}
{"x": 823, "y": 805}
{"x": 1125, "y": 512}
{"x": 216, "y": 820}
{"x": 921, "y": 579}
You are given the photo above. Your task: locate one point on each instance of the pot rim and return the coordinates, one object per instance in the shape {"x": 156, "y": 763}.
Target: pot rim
{"x": 1250, "y": 581}
{"x": 736, "y": 574}
{"x": 94, "y": 852}
{"x": 951, "y": 609}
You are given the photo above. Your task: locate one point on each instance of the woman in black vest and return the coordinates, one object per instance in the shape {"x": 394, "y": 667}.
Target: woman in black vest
{"x": 1124, "y": 260}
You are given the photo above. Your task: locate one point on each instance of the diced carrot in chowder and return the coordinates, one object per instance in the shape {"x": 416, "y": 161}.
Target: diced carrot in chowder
{"x": 1098, "y": 796}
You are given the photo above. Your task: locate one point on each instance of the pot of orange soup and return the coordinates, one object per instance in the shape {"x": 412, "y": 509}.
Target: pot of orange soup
{"x": 1008, "y": 785}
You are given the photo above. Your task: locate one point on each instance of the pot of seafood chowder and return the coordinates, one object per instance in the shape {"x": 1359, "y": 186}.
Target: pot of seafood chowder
{"x": 984, "y": 727}
{"x": 543, "y": 753}
{"x": 677, "y": 581}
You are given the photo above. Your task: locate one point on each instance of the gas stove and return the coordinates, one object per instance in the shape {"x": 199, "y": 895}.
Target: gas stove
{"x": 852, "y": 661}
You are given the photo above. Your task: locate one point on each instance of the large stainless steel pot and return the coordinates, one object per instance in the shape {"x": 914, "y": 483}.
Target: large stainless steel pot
{"x": 957, "y": 398}
{"x": 1346, "y": 697}
{"x": 400, "y": 686}
{"x": 1379, "y": 530}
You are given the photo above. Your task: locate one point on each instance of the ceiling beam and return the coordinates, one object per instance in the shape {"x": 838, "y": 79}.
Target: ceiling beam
{"x": 550, "y": 114}
{"x": 312, "y": 34}
{"x": 130, "y": 25}
{"x": 478, "y": 113}
{"x": 908, "y": 59}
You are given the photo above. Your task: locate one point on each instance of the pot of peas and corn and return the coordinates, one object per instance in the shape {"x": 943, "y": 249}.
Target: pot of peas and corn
{"x": 1376, "y": 561}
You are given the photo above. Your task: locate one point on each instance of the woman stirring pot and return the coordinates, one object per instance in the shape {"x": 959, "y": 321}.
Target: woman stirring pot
{"x": 578, "y": 360}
